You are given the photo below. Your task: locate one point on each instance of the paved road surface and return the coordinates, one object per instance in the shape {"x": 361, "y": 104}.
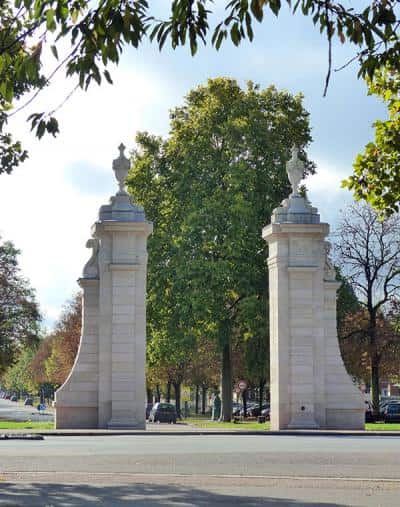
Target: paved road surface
{"x": 183, "y": 471}
{"x": 13, "y": 411}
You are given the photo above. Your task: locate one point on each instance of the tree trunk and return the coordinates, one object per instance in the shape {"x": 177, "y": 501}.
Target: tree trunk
{"x": 168, "y": 396}
{"x": 244, "y": 400}
{"x": 196, "y": 409}
{"x": 177, "y": 389}
{"x": 203, "y": 399}
{"x": 374, "y": 362}
{"x": 158, "y": 393}
{"x": 375, "y": 387}
{"x": 226, "y": 383}
{"x": 149, "y": 395}
{"x": 261, "y": 394}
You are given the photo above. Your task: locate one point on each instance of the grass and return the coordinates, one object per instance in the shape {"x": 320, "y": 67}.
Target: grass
{"x": 27, "y": 425}
{"x": 382, "y": 427}
{"x": 199, "y": 422}
{"x": 244, "y": 425}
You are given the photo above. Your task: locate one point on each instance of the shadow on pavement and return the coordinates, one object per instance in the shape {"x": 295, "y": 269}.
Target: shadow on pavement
{"x": 154, "y": 495}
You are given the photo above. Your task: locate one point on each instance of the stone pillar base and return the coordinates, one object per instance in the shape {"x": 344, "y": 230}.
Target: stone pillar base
{"x": 76, "y": 417}
{"x": 303, "y": 422}
{"x": 126, "y": 425}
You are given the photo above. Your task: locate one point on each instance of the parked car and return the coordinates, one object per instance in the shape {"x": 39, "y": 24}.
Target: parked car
{"x": 266, "y": 412}
{"x": 369, "y": 412}
{"x": 249, "y": 408}
{"x": 236, "y": 408}
{"x": 255, "y": 410}
{"x": 385, "y": 402}
{"x": 163, "y": 412}
{"x": 149, "y": 406}
{"x": 28, "y": 401}
{"x": 14, "y": 398}
{"x": 392, "y": 413}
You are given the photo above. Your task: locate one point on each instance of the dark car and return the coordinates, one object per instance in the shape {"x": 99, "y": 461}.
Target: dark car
{"x": 255, "y": 410}
{"x": 369, "y": 413}
{"x": 163, "y": 412}
{"x": 149, "y": 406}
{"x": 249, "y": 407}
{"x": 236, "y": 408}
{"x": 265, "y": 412}
{"x": 14, "y": 398}
{"x": 392, "y": 413}
{"x": 28, "y": 401}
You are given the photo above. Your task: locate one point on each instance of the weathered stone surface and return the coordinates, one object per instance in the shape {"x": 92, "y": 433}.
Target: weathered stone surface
{"x": 310, "y": 387}
{"x": 106, "y": 387}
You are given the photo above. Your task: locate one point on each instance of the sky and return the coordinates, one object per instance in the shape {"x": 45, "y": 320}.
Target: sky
{"x": 48, "y": 205}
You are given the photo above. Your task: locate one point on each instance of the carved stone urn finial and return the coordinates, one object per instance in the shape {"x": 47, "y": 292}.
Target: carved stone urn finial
{"x": 295, "y": 171}
{"x": 121, "y": 167}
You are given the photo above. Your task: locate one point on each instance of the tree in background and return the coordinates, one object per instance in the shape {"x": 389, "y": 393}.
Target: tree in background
{"x": 356, "y": 348}
{"x": 209, "y": 188}
{"x": 85, "y": 38}
{"x": 376, "y": 175}
{"x": 19, "y": 311}
{"x": 47, "y": 364}
{"x": 64, "y": 342}
{"x": 203, "y": 374}
{"x": 19, "y": 378}
{"x": 368, "y": 253}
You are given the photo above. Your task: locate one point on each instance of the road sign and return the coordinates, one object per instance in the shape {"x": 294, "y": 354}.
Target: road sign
{"x": 242, "y": 384}
{"x": 185, "y": 394}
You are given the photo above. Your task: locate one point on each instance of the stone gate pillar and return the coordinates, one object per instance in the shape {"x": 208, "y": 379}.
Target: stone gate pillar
{"x": 310, "y": 387}
{"x": 106, "y": 386}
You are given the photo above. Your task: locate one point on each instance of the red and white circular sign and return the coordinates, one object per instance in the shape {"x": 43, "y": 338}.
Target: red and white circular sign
{"x": 242, "y": 384}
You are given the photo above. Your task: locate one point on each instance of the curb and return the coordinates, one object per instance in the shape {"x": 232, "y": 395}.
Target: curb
{"x": 39, "y": 435}
{"x": 21, "y": 436}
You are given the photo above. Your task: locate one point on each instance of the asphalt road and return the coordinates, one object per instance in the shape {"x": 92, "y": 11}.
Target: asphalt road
{"x": 14, "y": 411}
{"x": 189, "y": 470}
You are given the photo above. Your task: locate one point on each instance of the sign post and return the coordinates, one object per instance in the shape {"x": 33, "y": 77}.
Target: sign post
{"x": 185, "y": 397}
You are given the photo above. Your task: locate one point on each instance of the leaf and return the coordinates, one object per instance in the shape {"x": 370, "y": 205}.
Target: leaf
{"x": 50, "y": 21}
{"x": 41, "y": 128}
{"x": 257, "y": 10}
{"x": 54, "y": 51}
{"x": 235, "y": 34}
{"x": 108, "y": 76}
{"x": 275, "y": 6}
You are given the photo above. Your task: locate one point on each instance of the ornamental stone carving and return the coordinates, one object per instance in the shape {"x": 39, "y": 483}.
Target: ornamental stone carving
{"x": 121, "y": 167}
{"x": 295, "y": 170}
{"x": 91, "y": 269}
{"x": 329, "y": 269}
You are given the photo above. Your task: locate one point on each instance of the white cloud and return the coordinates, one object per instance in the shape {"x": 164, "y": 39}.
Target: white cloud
{"x": 325, "y": 192}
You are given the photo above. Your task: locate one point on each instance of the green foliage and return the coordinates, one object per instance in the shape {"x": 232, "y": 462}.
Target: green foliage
{"x": 209, "y": 188}
{"x": 376, "y": 175}
{"x": 347, "y": 301}
{"x": 19, "y": 313}
{"x": 19, "y": 378}
{"x": 96, "y": 33}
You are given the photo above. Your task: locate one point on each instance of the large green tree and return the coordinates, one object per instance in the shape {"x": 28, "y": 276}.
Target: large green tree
{"x": 209, "y": 188}
{"x": 19, "y": 312}
{"x": 85, "y": 37}
{"x": 376, "y": 175}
